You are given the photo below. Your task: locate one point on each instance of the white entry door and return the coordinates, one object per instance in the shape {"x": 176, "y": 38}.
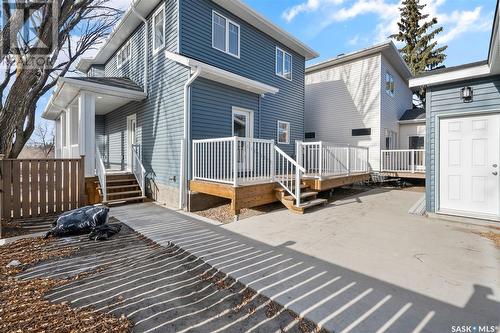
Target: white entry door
{"x": 131, "y": 139}
{"x": 469, "y": 165}
{"x": 243, "y": 128}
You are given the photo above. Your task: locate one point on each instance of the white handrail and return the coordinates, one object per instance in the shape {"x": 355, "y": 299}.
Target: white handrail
{"x": 288, "y": 174}
{"x": 139, "y": 170}
{"x": 403, "y": 160}
{"x": 101, "y": 174}
{"x": 323, "y": 159}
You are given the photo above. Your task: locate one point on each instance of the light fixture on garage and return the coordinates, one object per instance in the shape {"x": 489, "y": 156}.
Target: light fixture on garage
{"x": 466, "y": 94}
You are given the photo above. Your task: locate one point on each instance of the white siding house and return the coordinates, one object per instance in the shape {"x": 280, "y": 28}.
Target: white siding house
{"x": 358, "y": 99}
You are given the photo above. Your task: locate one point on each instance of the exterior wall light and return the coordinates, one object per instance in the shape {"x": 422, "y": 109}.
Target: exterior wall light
{"x": 466, "y": 94}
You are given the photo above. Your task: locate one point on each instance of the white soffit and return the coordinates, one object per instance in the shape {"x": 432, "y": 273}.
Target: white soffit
{"x": 222, "y": 76}
{"x": 451, "y": 76}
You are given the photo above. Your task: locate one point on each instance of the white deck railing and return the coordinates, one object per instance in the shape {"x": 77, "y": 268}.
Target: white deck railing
{"x": 288, "y": 174}
{"x": 233, "y": 160}
{"x": 138, "y": 169}
{"x": 100, "y": 170}
{"x": 403, "y": 160}
{"x": 323, "y": 159}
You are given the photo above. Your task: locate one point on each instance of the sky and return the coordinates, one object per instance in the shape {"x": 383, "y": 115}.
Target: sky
{"x": 332, "y": 27}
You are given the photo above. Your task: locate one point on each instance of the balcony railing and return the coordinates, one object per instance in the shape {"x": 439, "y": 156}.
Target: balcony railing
{"x": 403, "y": 160}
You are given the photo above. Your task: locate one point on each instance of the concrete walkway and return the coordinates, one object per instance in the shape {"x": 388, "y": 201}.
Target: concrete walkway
{"x": 324, "y": 283}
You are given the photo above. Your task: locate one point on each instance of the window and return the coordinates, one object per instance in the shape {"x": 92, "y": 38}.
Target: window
{"x": 159, "y": 30}
{"x": 416, "y": 142}
{"x": 283, "y": 64}
{"x": 123, "y": 56}
{"x": 225, "y": 35}
{"x": 361, "y": 131}
{"x": 389, "y": 84}
{"x": 283, "y": 132}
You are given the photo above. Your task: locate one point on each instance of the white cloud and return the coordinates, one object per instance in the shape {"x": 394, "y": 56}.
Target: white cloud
{"x": 387, "y": 13}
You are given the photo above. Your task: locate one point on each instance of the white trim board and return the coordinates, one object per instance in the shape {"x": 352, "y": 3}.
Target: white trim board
{"x": 222, "y": 76}
{"x": 451, "y": 76}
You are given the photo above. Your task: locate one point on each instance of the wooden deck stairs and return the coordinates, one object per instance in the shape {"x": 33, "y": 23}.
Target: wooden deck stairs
{"x": 308, "y": 199}
{"x": 121, "y": 189}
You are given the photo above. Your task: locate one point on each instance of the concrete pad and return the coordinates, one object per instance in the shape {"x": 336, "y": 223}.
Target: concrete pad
{"x": 359, "y": 265}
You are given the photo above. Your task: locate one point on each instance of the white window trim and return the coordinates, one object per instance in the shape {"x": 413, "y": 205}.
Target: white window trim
{"x": 278, "y": 133}
{"x": 246, "y": 112}
{"x": 158, "y": 48}
{"x": 390, "y": 93}
{"x": 120, "y": 64}
{"x": 228, "y": 21}
{"x": 276, "y": 62}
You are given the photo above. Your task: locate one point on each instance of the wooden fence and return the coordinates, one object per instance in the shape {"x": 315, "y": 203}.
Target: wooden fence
{"x": 40, "y": 187}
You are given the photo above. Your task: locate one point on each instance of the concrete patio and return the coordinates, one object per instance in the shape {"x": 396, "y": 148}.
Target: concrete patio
{"x": 360, "y": 265}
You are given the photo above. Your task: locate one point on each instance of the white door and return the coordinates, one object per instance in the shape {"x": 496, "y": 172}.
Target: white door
{"x": 243, "y": 128}
{"x": 131, "y": 139}
{"x": 469, "y": 159}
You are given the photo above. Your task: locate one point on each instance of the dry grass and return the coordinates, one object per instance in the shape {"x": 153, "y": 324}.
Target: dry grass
{"x": 23, "y": 307}
{"x": 493, "y": 236}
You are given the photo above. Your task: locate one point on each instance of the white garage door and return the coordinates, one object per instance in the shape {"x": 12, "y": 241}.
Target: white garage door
{"x": 469, "y": 159}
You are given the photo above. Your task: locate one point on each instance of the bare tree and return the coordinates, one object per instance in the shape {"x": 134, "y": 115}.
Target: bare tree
{"x": 37, "y": 49}
{"x": 43, "y": 139}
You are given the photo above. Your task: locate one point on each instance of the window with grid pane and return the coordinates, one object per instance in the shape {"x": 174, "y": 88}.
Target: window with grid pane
{"x": 159, "y": 29}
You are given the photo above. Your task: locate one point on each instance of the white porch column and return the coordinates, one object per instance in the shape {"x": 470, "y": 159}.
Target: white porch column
{"x": 86, "y": 130}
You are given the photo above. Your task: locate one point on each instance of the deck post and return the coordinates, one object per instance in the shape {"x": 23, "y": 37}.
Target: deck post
{"x": 348, "y": 160}
{"x": 235, "y": 161}
{"x": 297, "y": 186}
{"x": 81, "y": 181}
{"x": 320, "y": 157}
{"x": 412, "y": 161}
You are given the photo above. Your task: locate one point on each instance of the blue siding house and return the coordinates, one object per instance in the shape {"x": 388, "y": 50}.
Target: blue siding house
{"x": 463, "y": 131}
{"x": 184, "y": 89}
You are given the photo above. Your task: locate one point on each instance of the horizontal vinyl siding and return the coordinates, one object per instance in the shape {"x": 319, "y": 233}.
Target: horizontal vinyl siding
{"x": 211, "y": 109}
{"x": 160, "y": 117}
{"x": 100, "y": 133}
{"x": 445, "y": 99}
{"x": 346, "y": 97}
{"x": 257, "y": 62}
{"x": 393, "y": 107}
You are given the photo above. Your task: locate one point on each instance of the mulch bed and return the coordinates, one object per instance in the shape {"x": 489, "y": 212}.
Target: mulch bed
{"x": 23, "y": 307}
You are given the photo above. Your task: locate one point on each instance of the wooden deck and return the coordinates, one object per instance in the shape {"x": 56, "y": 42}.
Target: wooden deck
{"x": 399, "y": 174}
{"x": 248, "y": 196}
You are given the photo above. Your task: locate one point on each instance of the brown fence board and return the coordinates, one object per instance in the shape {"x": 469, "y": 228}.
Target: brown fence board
{"x": 16, "y": 189}
{"x": 25, "y": 189}
{"x": 50, "y": 187}
{"x": 38, "y": 188}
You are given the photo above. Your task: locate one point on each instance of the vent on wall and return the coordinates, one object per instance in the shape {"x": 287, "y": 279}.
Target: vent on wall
{"x": 310, "y": 135}
{"x": 361, "y": 131}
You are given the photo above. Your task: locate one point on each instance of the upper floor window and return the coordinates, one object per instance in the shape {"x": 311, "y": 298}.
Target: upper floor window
{"x": 283, "y": 64}
{"x": 390, "y": 86}
{"x": 159, "y": 29}
{"x": 225, "y": 35}
{"x": 283, "y": 132}
{"x": 123, "y": 55}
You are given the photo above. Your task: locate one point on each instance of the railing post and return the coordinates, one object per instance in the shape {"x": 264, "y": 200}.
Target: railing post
{"x": 235, "y": 161}
{"x": 348, "y": 160}
{"x": 273, "y": 162}
{"x": 193, "y": 161}
{"x": 412, "y": 161}
{"x": 297, "y": 186}
{"x": 320, "y": 157}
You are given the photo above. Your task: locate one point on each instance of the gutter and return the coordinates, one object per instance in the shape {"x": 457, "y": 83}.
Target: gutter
{"x": 185, "y": 145}
{"x": 146, "y": 39}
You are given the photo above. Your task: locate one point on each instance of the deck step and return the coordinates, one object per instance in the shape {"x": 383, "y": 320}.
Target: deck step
{"x": 118, "y": 187}
{"x": 313, "y": 203}
{"x": 124, "y": 201}
{"x": 303, "y": 195}
{"x": 112, "y": 194}
{"x": 282, "y": 189}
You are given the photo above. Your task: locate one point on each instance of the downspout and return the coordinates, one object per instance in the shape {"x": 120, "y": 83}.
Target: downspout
{"x": 186, "y": 139}
{"x": 146, "y": 38}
